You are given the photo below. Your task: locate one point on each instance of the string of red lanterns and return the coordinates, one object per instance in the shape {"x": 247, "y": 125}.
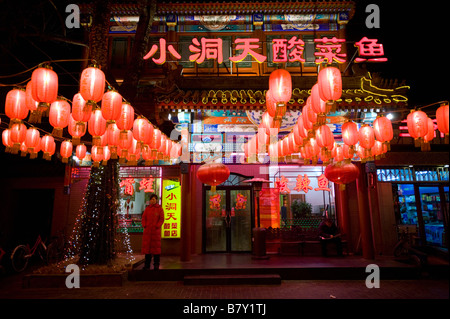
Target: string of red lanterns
{"x": 115, "y": 131}
{"x": 312, "y": 138}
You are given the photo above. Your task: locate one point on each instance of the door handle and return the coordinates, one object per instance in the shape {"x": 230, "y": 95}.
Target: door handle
{"x": 228, "y": 219}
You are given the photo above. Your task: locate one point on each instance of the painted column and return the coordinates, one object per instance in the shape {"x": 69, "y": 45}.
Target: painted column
{"x": 343, "y": 213}
{"x": 364, "y": 214}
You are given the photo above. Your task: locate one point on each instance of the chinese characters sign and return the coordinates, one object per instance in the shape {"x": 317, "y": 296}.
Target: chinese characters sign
{"x": 171, "y": 203}
{"x": 302, "y": 184}
{"x": 283, "y": 50}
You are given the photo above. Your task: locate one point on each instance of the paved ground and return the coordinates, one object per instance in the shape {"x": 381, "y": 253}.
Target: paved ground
{"x": 290, "y": 297}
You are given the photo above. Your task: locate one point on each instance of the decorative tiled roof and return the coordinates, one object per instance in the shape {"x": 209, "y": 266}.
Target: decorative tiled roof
{"x": 366, "y": 95}
{"x": 231, "y": 7}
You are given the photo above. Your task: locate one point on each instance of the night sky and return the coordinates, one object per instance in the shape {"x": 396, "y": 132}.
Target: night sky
{"x": 415, "y": 36}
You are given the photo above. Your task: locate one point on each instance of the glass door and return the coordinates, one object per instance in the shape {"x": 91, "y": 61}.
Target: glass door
{"x": 240, "y": 223}
{"x": 433, "y": 210}
{"x": 228, "y": 220}
{"x": 216, "y": 221}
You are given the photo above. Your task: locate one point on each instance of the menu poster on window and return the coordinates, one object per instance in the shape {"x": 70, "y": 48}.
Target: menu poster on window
{"x": 269, "y": 207}
{"x": 171, "y": 203}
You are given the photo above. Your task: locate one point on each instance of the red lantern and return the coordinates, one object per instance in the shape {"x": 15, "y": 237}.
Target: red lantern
{"x": 142, "y": 130}
{"x": 263, "y": 140}
{"x": 273, "y": 152}
{"x": 134, "y": 152}
{"x": 155, "y": 143}
{"x": 342, "y": 174}
{"x": 106, "y": 155}
{"x": 271, "y": 105}
{"x": 125, "y": 143}
{"x": 112, "y": 134}
{"x": 147, "y": 154}
{"x": 111, "y": 106}
{"x": 176, "y": 151}
{"x": 81, "y": 111}
{"x": 280, "y": 85}
{"x": 350, "y": 134}
{"x": 417, "y": 122}
{"x": 252, "y": 149}
{"x": 325, "y": 156}
{"x": 366, "y": 136}
{"x": 44, "y": 87}
{"x": 377, "y": 149}
{"x": 442, "y": 120}
{"x": 286, "y": 146}
{"x": 267, "y": 122}
{"x": 126, "y": 118}
{"x": 92, "y": 84}
{"x": 319, "y": 106}
{"x": 302, "y": 131}
{"x": 6, "y": 140}
{"x": 96, "y": 126}
{"x": 309, "y": 116}
{"x": 59, "y": 116}
{"x": 32, "y": 141}
{"x": 48, "y": 146}
{"x": 312, "y": 150}
{"x": 324, "y": 137}
{"x": 15, "y": 105}
{"x": 429, "y": 136}
{"x": 213, "y": 174}
{"x": 66, "y": 150}
{"x": 31, "y": 104}
{"x": 168, "y": 148}
{"x": 97, "y": 155}
{"x": 162, "y": 146}
{"x": 330, "y": 84}
{"x": 297, "y": 137}
{"x": 76, "y": 130}
{"x": 349, "y": 152}
{"x": 338, "y": 153}
{"x": 18, "y": 133}
{"x": 80, "y": 151}
{"x": 383, "y": 130}
{"x": 366, "y": 139}
{"x": 293, "y": 146}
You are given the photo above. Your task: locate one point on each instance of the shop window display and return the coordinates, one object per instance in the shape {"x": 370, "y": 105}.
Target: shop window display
{"x": 134, "y": 198}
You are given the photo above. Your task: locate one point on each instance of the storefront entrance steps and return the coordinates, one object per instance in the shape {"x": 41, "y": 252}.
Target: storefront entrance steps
{"x": 286, "y": 267}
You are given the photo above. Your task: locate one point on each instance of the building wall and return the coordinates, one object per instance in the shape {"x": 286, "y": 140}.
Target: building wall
{"x": 9, "y": 206}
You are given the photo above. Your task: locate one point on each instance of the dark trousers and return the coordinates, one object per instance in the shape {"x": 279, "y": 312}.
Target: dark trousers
{"x": 148, "y": 260}
{"x": 337, "y": 241}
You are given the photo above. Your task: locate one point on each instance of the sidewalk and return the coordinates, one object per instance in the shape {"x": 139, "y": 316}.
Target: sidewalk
{"x": 421, "y": 288}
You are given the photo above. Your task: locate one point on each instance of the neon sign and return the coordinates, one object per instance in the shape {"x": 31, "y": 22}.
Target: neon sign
{"x": 284, "y": 50}
{"x": 171, "y": 203}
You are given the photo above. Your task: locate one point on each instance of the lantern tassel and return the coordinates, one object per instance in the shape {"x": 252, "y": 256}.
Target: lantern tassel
{"x": 213, "y": 188}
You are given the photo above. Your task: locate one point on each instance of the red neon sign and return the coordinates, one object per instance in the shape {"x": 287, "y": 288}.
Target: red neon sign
{"x": 284, "y": 50}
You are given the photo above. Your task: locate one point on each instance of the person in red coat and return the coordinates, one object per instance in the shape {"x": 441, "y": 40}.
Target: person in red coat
{"x": 152, "y": 220}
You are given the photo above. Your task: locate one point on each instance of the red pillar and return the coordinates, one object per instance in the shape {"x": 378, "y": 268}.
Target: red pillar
{"x": 343, "y": 213}
{"x": 364, "y": 214}
{"x": 375, "y": 213}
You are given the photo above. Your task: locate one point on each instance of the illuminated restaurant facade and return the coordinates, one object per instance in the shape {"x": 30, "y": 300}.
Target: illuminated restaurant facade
{"x": 207, "y": 74}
